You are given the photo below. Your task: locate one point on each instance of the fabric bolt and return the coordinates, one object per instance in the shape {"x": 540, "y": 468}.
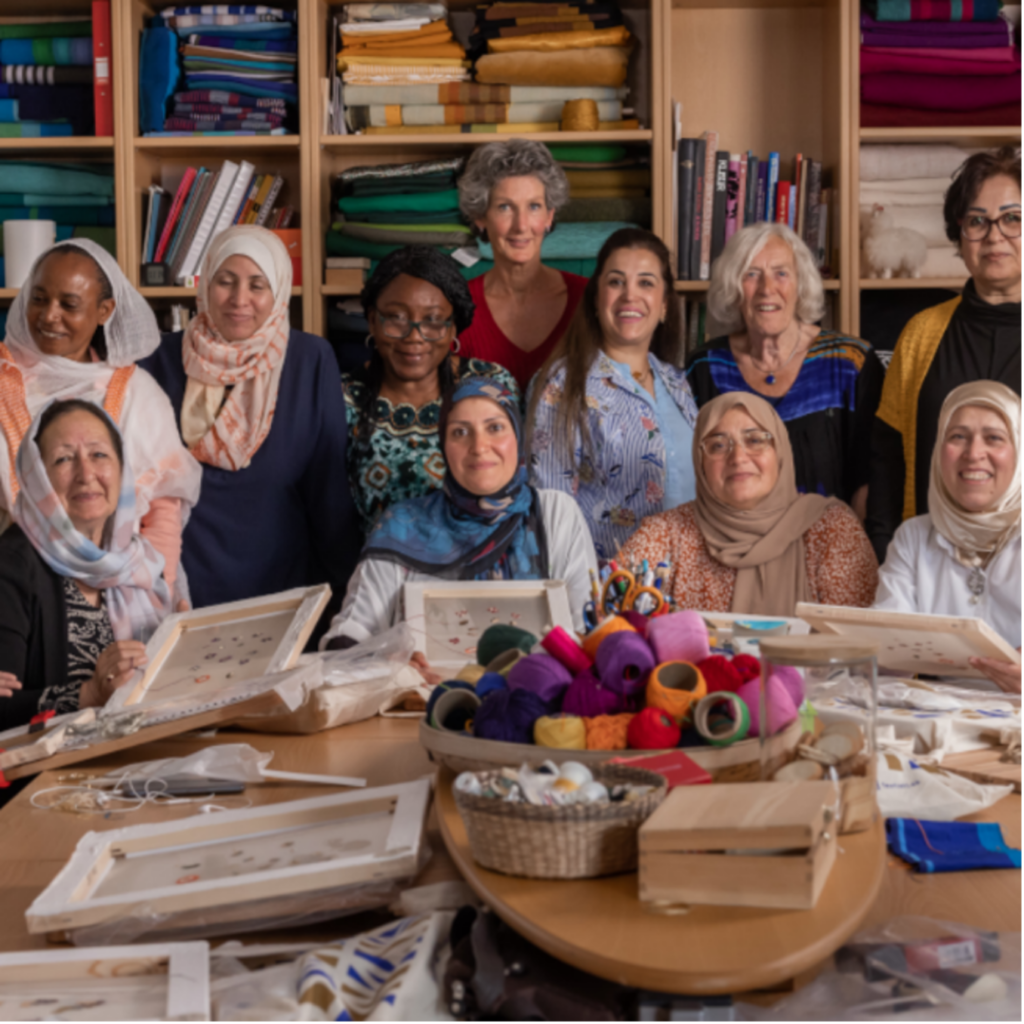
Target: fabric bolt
{"x": 401, "y": 458}
{"x": 940, "y": 92}
{"x": 997, "y": 33}
{"x": 604, "y": 65}
{"x": 337, "y": 244}
{"x": 383, "y": 28}
{"x": 954, "y": 28}
{"x": 257, "y": 29}
{"x": 828, "y": 410}
{"x": 995, "y": 54}
{"x": 35, "y": 130}
{"x": 471, "y": 93}
{"x": 28, "y": 199}
{"x": 412, "y": 235}
{"x": 159, "y": 72}
{"x": 934, "y": 10}
{"x": 183, "y": 124}
{"x": 382, "y": 116}
{"x": 877, "y": 116}
{"x": 596, "y": 38}
{"x": 621, "y": 479}
{"x": 879, "y": 61}
{"x": 408, "y": 218}
{"x": 277, "y": 59}
{"x": 203, "y": 111}
{"x": 609, "y": 179}
{"x": 938, "y": 846}
{"x": 385, "y": 172}
{"x": 288, "y": 91}
{"x": 518, "y": 128}
{"x": 225, "y": 43}
{"x": 885, "y": 196}
{"x": 221, "y": 97}
{"x": 484, "y": 339}
{"x": 32, "y": 74}
{"x": 438, "y": 202}
{"x": 419, "y": 75}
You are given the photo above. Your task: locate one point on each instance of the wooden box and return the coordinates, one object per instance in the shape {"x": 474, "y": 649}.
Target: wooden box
{"x": 748, "y": 844}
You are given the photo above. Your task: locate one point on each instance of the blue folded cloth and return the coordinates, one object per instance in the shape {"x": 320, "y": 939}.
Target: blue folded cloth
{"x": 288, "y": 91}
{"x": 158, "y": 76}
{"x": 254, "y": 45}
{"x": 933, "y": 846}
{"x": 68, "y": 179}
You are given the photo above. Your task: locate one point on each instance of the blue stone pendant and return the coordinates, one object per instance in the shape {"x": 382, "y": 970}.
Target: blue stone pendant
{"x": 770, "y": 379}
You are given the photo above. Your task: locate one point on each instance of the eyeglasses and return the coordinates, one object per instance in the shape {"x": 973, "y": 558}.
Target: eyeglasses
{"x": 753, "y": 442}
{"x": 976, "y": 227}
{"x": 400, "y": 327}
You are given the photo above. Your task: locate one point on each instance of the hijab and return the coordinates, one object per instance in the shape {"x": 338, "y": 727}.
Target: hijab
{"x": 764, "y": 544}
{"x": 127, "y": 567}
{"x": 976, "y": 536}
{"x": 228, "y": 433}
{"x": 456, "y": 535}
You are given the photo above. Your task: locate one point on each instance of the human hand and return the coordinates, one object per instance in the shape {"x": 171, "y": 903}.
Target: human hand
{"x": 183, "y": 606}
{"x": 419, "y": 662}
{"x": 1005, "y": 674}
{"x": 9, "y": 684}
{"x": 114, "y": 668}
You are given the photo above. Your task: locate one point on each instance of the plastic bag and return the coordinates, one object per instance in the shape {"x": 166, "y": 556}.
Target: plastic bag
{"x": 235, "y": 761}
{"x": 911, "y": 968}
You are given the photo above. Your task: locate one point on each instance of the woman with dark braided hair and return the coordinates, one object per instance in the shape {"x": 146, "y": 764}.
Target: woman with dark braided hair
{"x": 417, "y": 303}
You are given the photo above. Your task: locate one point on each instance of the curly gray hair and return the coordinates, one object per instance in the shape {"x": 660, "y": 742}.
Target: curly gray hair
{"x": 726, "y": 291}
{"x": 514, "y": 158}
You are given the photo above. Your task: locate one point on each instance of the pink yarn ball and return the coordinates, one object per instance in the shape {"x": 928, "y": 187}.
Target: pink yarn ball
{"x": 587, "y": 698}
{"x": 679, "y": 636}
{"x": 781, "y": 709}
{"x": 793, "y": 681}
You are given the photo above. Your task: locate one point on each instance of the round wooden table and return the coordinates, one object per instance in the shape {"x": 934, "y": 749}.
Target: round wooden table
{"x": 600, "y": 926}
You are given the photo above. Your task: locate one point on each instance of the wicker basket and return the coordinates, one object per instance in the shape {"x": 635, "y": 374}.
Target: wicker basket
{"x": 578, "y": 841}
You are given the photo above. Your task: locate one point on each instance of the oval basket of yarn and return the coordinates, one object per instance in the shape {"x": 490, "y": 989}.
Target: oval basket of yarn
{"x": 576, "y": 841}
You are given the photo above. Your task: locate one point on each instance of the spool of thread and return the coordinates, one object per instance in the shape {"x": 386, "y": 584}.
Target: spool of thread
{"x": 470, "y": 673}
{"x": 489, "y": 682}
{"x": 24, "y": 242}
{"x": 499, "y": 638}
{"x": 580, "y": 116}
{"x": 746, "y": 665}
{"x": 540, "y": 674}
{"x": 508, "y": 716}
{"x": 612, "y": 624}
{"x": 587, "y": 697}
{"x": 608, "y": 732}
{"x": 560, "y": 645}
{"x": 503, "y": 663}
{"x": 679, "y": 636}
{"x": 652, "y": 729}
{"x": 563, "y": 732}
{"x": 781, "y": 709}
{"x": 721, "y": 674}
{"x": 446, "y": 698}
{"x": 674, "y": 688}
{"x": 722, "y": 718}
{"x": 623, "y": 663}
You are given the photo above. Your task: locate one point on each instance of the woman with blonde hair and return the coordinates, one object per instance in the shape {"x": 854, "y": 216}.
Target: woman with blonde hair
{"x": 767, "y": 295}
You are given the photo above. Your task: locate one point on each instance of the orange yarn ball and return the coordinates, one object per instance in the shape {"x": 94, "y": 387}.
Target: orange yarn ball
{"x": 674, "y": 687}
{"x": 607, "y": 732}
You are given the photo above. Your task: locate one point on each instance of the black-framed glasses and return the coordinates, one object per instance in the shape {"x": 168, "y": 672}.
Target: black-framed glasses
{"x": 399, "y": 327}
{"x": 720, "y": 446}
{"x": 975, "y": 226}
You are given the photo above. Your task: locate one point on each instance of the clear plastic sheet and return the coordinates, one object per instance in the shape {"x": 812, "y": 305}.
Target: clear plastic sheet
{"x": 911, "y": 968}
{"x": 235, "y": 761}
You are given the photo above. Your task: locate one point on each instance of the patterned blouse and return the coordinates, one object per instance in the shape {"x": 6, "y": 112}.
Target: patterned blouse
{"x": 89, "y": 634}
{"x": 841, "y": 564}
{"x": 404, "y": 458}
{"x": 623, "y": 480}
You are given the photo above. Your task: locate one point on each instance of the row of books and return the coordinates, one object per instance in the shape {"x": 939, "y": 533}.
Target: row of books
{"x": 718, "y": 193}
{"x": 179, "y": 229}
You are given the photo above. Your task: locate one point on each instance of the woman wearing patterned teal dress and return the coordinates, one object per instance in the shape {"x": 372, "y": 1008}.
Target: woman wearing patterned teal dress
{"x": 416, "y": 303}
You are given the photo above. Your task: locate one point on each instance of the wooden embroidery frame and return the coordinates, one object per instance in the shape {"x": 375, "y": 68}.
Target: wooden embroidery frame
{"x": 185, "y": 964}
{"x": 70, "y": 901}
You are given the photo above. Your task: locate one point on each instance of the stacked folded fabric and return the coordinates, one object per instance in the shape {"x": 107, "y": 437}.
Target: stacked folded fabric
{"x": 240, "y": 65}
{"x": 910, "y": 182}
{"x": 938, "y": 63}
{"x": 606, "y": 183}
{"x": 42, "y": 69}
{"x": 80, "y": 200}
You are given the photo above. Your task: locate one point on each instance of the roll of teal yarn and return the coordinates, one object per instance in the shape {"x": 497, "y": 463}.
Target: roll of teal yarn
{"x": 442, "y": 688}
{"x": 499, "y": 638}
{"x": 489, "y": 682}
{"x": 543, "y": 675}
{"x": 508, "y": 716}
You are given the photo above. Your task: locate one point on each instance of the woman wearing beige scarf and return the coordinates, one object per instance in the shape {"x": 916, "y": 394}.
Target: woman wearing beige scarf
{"x": 750, "y": 542}
{"x": 964, "y": 557}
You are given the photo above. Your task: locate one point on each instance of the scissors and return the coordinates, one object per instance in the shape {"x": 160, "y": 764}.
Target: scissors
{"x": 629, "y": 594}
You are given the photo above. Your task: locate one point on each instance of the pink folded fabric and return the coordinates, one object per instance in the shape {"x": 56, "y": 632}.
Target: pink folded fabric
{"x": 940, "y": 92}
{"x": 876, "y": 116}
{"x": 876, "y": 62}
{"x": 996, "y": 54}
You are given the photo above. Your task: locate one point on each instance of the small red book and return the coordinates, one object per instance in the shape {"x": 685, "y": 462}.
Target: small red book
{"x": 782, "y": 202}
{"x": 102, "y": 82}
{"x": 678, "y": 769}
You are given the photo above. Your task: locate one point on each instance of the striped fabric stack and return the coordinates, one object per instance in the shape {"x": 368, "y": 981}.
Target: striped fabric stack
{"x": 46, "y": 79}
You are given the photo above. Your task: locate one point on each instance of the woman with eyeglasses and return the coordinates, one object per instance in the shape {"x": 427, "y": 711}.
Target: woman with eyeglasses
{"x": 416, "y": 302}
{"x": 750, "y": 542}
{"x": 973, "y": 337}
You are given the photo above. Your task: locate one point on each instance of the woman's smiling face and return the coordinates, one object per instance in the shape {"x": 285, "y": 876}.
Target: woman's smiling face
{"x": 631, "y": 297}
{"x": 977, "y": 459}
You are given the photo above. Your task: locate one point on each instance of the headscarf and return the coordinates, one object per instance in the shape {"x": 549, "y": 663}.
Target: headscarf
{"x": 229, "y": 435}
{"x": 456, "y": 535}
{"x": 127, "y": 567}
{"x": 976, "y": 536}
{"x": 764, "y": 544}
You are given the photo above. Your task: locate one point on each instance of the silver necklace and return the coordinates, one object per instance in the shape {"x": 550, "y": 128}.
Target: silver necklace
{"x": 976, "y": 584}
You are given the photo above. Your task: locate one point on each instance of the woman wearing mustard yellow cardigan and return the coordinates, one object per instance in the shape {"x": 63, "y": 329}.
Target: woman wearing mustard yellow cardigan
{"x": 974, "y": 337}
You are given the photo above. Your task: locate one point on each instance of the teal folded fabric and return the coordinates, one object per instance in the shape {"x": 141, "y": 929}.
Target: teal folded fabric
{"x": 458, "y": 235}
{"x": 49, "y": 199}
{"x": 43, "y": 178}
{"x": 578, "y": 241}
{"x": 402, "y": 216}
{"x": 35, "y": 130}
{"x": 434, "y": 202}
{"x": 45, "y": 29}
{"x": 74, "y": 51}
{"x": 342, "y": 245}
{"x": 97, "y": 215}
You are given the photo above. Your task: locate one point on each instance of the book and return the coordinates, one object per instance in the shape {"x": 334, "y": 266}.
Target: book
{"x": 190, "y": 220}
{"x": 791, "y": 208}
{"x": 351, "y": 280}
{"x": 347, "y": 263}
{"x": 266, "y": 184}
{"x": 268, "y": 204}
{"x": 718, "y": 214}
{"x": 798, "y": 173}
{"x": 102, "y": 85}
{"x": 250, "y": 198}
{"x": 810, "y": 232}
{"x": 750, "y": 208}
{"x": 732, "y": 195}
{"x": 741, "y": 193}
{"x": 762, "y": 192}
{"x": 686, "y": 155}
{"x": 150, "y": 220}
{"x": 175, "y": 213}
{"x": 710, "y": 145}
{"x": 771, "y": 187}
{"x": 207, "y": 218}
{"x": 698, "y": 210}
{"x": 235, "y": 198}
{"x": 782, "y": 202}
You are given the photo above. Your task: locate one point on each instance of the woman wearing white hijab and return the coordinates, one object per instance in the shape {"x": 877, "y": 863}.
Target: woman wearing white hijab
{"x": 964, "y": 557}
{"x": 260, "y": 406}
{"x": 76, "y": 330}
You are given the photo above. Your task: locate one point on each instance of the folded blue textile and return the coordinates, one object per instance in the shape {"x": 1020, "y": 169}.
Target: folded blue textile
{"x": 100, "y": 216}
{"x": 266, "y": 45}
{"x": 34, "y": 130}
{"x": 30, "y": 176}
{"x": 260, "y": 10}
{"x": 76, "y": 51}
{"x": 572, "y": 241}
{"x": 49, "y": 103}
{"x": 288, "y": 91}
{"x": 933, "y": 846}
{"x": 244, "y": 65}
{"x": 257, "y": 30}
{"x": 158, "y": 76}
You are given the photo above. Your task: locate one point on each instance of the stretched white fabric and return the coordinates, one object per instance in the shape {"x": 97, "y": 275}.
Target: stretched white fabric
{"x": 910, "y": 160}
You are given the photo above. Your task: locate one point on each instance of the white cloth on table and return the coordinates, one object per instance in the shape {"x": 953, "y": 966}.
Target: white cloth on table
{"x": 886, "y": 162}
{"x": 921, "y": 574}
{"x": 373, "y": 600}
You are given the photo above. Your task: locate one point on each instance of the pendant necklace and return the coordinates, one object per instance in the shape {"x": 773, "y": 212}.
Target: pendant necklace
{"x": 976, "y": 584}
{"x": 770, "y": 378}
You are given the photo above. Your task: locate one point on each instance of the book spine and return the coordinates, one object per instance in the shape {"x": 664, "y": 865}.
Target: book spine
{"x": 732, "y": 196}
{"x": 189, "y": 221}
{"x": 762, "y": 191}
{"x": 150, "y": 218}
{"x": 798, "y": 173}
{"x": 741, "y": 194}
{"x": 687, "y": 153}
{"x": 810, "y": 235}
{"x": 265, "y": 185}
{"x": 175, "y": 212}
{"x": 719, "y": 212}
{"x": 710, "y": 145}
{"x": 204, "y": 229}
{"x": 772, "y": 187}
{"x": 243, "y": 210}
{"x": 791, "y": 211}
{"x": 235, "y": 198}
{"x": 103, "y": 92}
{"x": 698, "y": 209}
{"x": 750, "y": 213}
{"x": 268, "y": 203}
{"x": 782, "y": 202}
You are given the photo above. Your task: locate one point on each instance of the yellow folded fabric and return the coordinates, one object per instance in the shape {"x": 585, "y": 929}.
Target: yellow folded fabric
{"x": 355, "y": 60}
{"x": 434, "y": 29}
{"x": 451, "y": 51}
{"x": 500, "y": 129}
{"x": 603, "y": 65}
{"x": 551, "y": 42}
{"x": 635, "y": 177}
{"x": 607, "y": 193}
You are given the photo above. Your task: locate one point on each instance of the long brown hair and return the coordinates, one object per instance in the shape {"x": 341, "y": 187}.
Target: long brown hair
{"x": 583, "y": 340}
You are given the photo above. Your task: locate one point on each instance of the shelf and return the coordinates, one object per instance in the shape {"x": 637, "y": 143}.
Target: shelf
{"x": 191, "y": 142}
{"x": 8, "y": 293}
{"x": 334, "y": 290}
{"x": 183, "y": 293}
{"x": 895, "y": 283}
{"x": 74, "y": 142}
{"x": 967, "y": 133}
{"x": 829, "y": 284}
{"x": 340, "y": 142}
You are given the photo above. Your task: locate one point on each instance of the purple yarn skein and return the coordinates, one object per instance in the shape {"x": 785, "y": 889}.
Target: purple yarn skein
{"x": 587, "y": 698}
{"x": 540, "y": 674}
{"x": 623, "y": 663}
{"x": 508, "y": 716}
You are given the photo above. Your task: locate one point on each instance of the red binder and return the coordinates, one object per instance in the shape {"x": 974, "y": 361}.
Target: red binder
{"x": 102, "y": 81}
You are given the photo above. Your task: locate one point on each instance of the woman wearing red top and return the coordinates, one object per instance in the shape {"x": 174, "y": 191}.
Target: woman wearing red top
{"x": 510, "y": 192}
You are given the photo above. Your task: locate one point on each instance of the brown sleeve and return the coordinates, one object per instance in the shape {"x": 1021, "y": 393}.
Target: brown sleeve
{"x": 840, "y": 560}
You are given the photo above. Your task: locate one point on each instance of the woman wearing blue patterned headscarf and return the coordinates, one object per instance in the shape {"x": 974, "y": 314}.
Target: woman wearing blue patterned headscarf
{"x": 486, "y": 522}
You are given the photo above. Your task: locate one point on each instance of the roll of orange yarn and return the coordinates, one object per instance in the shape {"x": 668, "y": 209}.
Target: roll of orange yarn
{"x": 607, "y": 732}
{"x": 580, "y": 116}
{"x": 674, "y": 687}
{"x": 612, "y": 624}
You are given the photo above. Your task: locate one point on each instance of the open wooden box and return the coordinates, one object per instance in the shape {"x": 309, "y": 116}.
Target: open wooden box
{"x": 760, "y": 844}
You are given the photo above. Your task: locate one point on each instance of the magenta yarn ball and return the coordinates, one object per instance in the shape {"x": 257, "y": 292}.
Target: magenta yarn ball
{"x": 587, "y": 698}
{"x": 781, "y": 709}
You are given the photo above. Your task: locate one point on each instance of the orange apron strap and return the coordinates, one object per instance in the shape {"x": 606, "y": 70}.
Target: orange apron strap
{"x": 117, "y": 391}
{"x": 14, "y": 418}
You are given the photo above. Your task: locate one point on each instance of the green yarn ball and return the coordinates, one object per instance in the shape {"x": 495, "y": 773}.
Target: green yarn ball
{"x": 500, "y": 638}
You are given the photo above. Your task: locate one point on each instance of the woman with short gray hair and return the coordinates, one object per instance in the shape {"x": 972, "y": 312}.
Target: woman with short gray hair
{"x": 767, "y": 294}
{"x": 510, "y": 193}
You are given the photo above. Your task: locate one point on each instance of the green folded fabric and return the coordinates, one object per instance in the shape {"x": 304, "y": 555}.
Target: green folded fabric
{"x": 342, "y": 245}
{"x": 407, "y": 183}
{"x": 592, "y": 154}
{"x": 344, "y": 225}
{"x": 51, "y": 29}
{"x": 433, "y": 201}
{"x": 107, "y": 237}
{"x": 50, "y": 199}
{"x": 57, "y": 179}
{"x": 412, "y": 236}
{"x": 636, "y": 211}
{"x": 426, "y": 217}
